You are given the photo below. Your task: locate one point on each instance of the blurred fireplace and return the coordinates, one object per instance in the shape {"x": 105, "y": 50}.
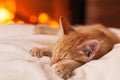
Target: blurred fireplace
{"x": 53, "y": 8}
{"x": 34, "y": 11}
{"x": 41, "y": 11}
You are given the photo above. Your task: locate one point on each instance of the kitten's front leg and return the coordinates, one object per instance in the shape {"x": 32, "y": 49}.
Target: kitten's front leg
{"x": 40, "y": 52}
{"x": 64, "y": 68}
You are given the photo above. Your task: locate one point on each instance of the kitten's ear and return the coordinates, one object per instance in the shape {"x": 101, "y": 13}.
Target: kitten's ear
{"x": 89, "y": 48}
{"x": 65, "y": 25}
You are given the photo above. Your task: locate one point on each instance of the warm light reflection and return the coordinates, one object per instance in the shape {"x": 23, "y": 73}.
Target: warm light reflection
{"x": 54, "y": 24}
{"x": 20, "y": 22}
{"x": 5, "y": 15}
{"x": 42, "y": 18}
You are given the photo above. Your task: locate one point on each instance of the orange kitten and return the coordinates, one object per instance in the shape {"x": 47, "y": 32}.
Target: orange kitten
{"x": 77, "y": 46}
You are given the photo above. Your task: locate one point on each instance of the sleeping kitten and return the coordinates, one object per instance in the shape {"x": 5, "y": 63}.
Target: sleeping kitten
{"x": 77, "y": 46}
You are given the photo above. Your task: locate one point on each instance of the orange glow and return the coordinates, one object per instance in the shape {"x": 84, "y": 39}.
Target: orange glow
{"x": 42, "y": 18}
{"x": 45, "y": 19}
{"x": 54, "y": 24}
{"x": 20, "y": 22}
{"x": 8, "y": 15}
{"x": 5, "y": 15}
{"x": 33, "y": 19}
{"x": 10, "y": 22}
{"x": 8, "y": 4}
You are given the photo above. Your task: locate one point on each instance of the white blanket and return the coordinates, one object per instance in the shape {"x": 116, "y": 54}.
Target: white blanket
{"x": 17, "y": 64}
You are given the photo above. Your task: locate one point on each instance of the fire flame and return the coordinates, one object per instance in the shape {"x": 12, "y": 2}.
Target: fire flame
{"x": 5, "y": 15}
{"x": 8, "y": 10}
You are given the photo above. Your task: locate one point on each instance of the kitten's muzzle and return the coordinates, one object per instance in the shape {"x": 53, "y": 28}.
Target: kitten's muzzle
{"x": 54, "y": 61}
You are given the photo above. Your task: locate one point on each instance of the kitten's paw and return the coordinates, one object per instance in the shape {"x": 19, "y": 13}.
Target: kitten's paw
{"x": 36, "y": 52}
{"x": 62, "y": 70}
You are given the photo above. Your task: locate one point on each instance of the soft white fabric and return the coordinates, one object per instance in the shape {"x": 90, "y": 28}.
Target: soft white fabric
{"x": 17, "y": 64}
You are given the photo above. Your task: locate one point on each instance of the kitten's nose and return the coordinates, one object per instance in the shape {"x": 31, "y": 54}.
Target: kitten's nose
{"x": 54, "y": 61}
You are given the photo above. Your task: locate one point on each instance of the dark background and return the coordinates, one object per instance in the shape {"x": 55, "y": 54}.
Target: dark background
{"x": 78, "y": 11}
{"x": 106, "y": 12}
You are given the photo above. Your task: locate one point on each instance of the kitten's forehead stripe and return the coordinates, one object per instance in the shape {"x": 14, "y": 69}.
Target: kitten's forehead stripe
{"x": 67, "y": 44}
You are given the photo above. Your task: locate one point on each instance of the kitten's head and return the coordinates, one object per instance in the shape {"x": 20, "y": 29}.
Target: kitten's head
{"x": 73, "y": 45}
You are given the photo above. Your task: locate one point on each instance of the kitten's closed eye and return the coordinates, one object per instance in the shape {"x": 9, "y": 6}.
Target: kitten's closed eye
{"x": 64, "y": 56}
{"x": 58, "y": 59}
